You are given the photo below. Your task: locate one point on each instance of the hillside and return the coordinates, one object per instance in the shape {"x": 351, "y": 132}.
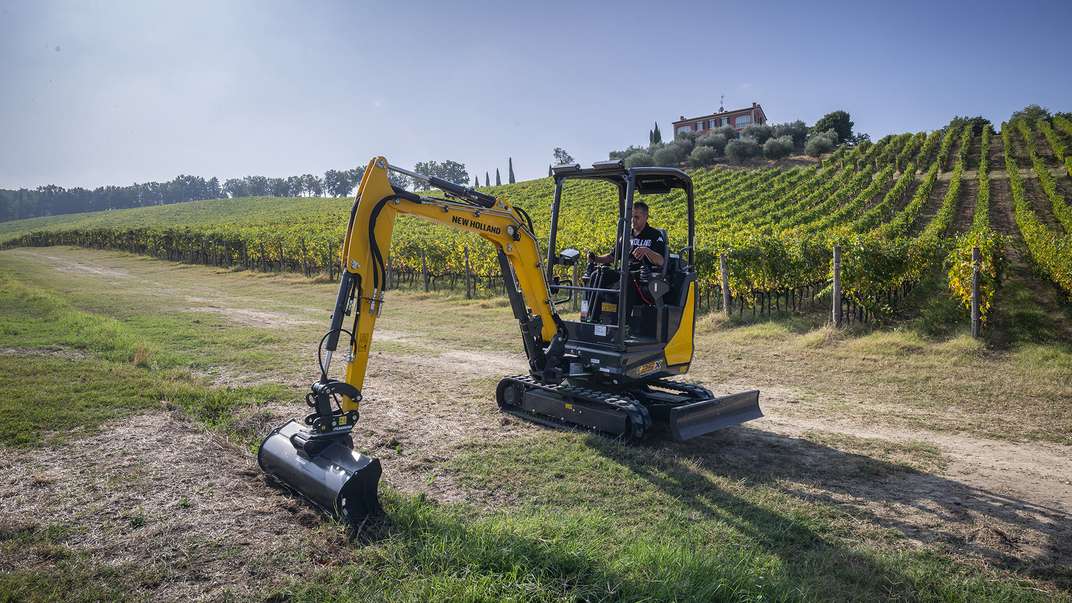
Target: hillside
{"x": 903, "y": 209}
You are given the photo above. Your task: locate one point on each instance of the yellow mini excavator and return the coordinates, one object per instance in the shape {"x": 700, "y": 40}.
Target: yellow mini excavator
{"x": 609, "y": 372}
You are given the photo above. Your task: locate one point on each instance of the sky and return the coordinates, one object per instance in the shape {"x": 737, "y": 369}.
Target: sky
{"x": 124, "y": 91}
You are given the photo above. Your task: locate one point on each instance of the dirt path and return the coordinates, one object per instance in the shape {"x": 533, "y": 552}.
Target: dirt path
{"x": 930, "y": 208}
{"x": 997, "y": 157}
{"x": 1003, "y": 503}
{"x": 875, "y": 199}
{"x": 1026, "y": 306}
{"x": 900, "y": 204}
{"x": 974, "y": 149}
{"x": 962, "y": 220}
{"x": 1041, "y": 204}
{"x": 1042, "y": 147}
{"x": 1064, "y": 187}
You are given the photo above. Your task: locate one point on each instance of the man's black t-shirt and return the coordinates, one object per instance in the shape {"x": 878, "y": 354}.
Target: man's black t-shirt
{"x": 648, "y": 237}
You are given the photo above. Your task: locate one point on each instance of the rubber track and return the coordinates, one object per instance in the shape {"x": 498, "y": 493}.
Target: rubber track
{"x": 639, "y": 418}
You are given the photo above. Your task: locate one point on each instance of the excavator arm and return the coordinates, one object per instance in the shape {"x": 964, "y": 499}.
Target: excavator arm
{"x": 366, "y": 248}
{"x": 317, "y": 459}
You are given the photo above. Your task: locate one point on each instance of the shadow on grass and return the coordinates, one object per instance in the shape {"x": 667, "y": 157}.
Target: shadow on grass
{"x": 914, "y": 504}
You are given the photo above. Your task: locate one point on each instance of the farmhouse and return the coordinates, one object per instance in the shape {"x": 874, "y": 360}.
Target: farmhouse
{"x": 738, "y": 118}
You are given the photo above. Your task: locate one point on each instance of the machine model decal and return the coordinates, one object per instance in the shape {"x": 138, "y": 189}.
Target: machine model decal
{"x": 477, "y": 225}
{"x": 649, "y": 367}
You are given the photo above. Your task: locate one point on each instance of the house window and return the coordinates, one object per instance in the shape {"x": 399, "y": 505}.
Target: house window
{"x": 742, "y": 120}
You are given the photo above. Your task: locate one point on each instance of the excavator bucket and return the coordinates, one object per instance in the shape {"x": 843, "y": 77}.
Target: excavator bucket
{"x": 693, "y": 420}
{"x": 335, "y": 477}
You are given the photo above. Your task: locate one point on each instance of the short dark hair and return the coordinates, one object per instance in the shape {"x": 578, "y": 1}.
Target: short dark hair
{"x": 641, "y": 205}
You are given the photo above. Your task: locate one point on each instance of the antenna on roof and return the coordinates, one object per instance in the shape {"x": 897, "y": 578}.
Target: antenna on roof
{"x": 722, "y": 103}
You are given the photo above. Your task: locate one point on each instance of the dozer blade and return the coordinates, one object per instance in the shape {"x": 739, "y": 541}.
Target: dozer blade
{"x": 693, "y": 420}
{"x": 334, "y": 476}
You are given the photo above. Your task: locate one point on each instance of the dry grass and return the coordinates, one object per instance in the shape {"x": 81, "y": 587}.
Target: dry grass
{"x": 158, "y": 495}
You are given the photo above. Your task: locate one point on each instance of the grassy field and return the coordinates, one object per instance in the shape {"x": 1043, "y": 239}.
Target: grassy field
{"x": 901, "y": 463}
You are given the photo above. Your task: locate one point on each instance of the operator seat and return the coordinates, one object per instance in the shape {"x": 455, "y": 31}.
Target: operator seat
{"x": 659, "y": 284}
{"x": 647, "y": 320}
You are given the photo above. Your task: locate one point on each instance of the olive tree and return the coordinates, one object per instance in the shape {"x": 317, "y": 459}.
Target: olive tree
{"x": 716, "y": 141}
{"x": 639, "y": 159}
{"x": 820, "y": 142}
{"x": 839, "y": 122}
{"x": 778, "y": 148}
{"x": 702, "y": 156}
{"x": 667, "y": 156}
{"x": 728, "y": 131}
{"x": 741, "y": 149}
{"x": 757, "y": 132}
{"x": 797, "y": 130}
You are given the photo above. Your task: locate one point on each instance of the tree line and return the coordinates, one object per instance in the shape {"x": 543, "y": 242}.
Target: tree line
{"x": 52, "y": 200}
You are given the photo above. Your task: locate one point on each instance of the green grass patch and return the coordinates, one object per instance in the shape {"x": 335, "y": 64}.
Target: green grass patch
{"x": 32, "y": 318}
{"x": 634, "y": 523}
{"x": 74, "y": 370}
{"x": 49, "y": 400}
{"x": 47, "y": 569}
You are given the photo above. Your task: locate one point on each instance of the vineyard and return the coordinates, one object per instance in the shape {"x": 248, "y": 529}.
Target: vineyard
{"x": 900, "y": 209}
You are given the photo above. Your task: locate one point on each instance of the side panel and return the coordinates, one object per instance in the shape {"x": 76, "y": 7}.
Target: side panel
{"x": 679, "y": 348}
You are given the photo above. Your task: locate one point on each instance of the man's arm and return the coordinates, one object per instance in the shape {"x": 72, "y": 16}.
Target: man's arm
{"x": 651, "y": 255}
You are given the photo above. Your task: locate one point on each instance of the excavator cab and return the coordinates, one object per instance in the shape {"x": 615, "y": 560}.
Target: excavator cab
{"x": 634, "y": 324}
{"x": 616, "y": 361}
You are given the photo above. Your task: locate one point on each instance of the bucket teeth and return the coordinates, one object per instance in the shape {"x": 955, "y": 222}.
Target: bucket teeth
{"x": 331, "y": 474}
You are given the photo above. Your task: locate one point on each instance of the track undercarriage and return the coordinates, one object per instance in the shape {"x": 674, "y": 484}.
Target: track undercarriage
{"x": 630, "y": 412}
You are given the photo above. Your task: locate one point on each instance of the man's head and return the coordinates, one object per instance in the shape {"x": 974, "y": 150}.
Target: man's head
{"x": 640, "y": 216}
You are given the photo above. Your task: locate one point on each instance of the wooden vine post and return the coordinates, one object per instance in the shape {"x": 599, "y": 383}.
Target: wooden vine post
{"x": 468, "y": 276}
{"x": 836, "y": 289}
{"x": 975, "y": 293}
{"x": 723, "y": 268}
{"x": 424, "y": 270}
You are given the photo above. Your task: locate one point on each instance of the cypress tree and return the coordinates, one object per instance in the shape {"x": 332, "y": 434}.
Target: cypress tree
{"x": 487, "y": 181}
{"x": 510, "y": 161}
{"x": 549, "y": 172}
{"x": 498, "y": 179}
{"x": 651, "y": 137}
{"x": 656, "y": 135}
{"x": 476, "y": 181}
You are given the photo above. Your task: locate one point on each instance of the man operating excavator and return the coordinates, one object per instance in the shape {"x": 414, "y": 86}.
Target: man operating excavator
{"x": 649, "y": 247}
